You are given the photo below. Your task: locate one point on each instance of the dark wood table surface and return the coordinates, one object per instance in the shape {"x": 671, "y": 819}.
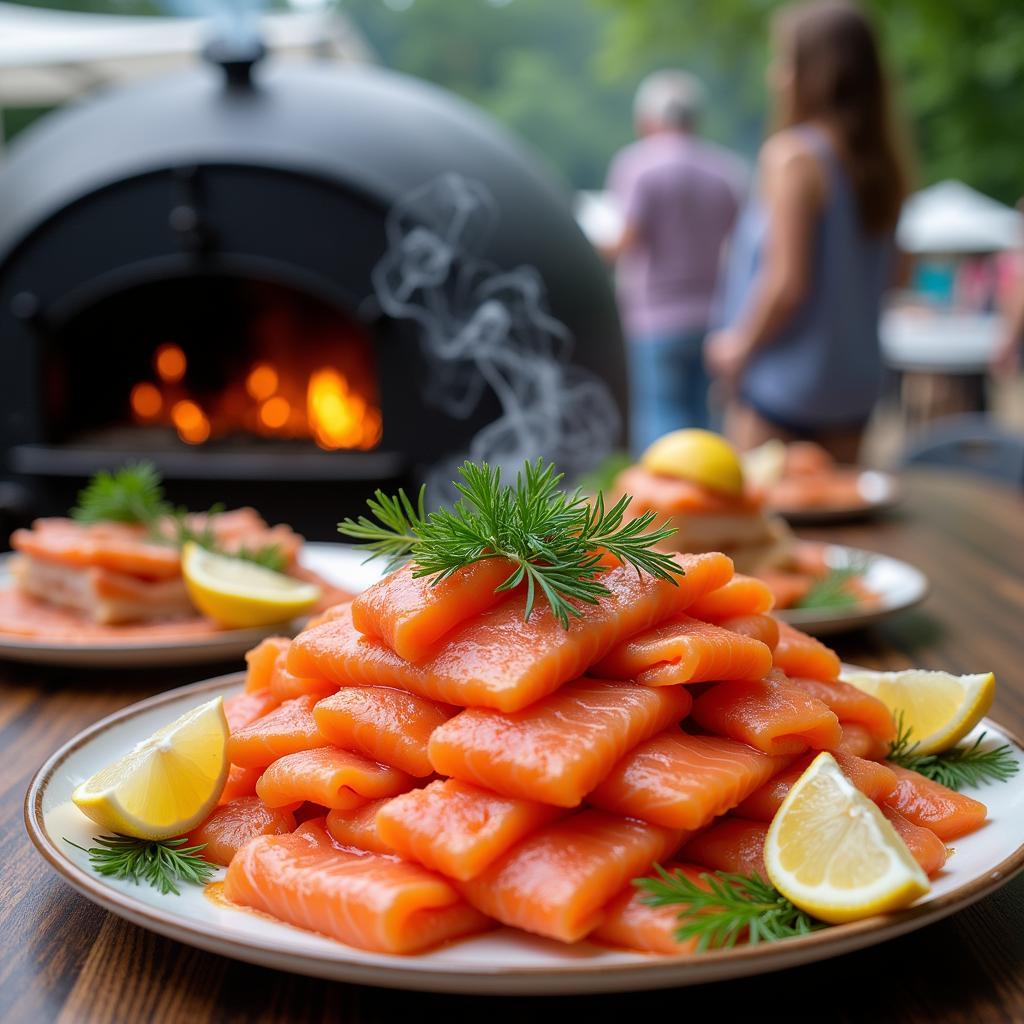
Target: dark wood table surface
{"x": 62, "y": 958}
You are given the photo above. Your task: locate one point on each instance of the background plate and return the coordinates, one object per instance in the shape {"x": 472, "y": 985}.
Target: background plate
{"x": 881, "y": 492}
{"x": 498, "y": 963}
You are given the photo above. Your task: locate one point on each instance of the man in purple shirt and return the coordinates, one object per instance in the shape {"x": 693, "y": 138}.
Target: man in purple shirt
{"x": 679, "y": 197}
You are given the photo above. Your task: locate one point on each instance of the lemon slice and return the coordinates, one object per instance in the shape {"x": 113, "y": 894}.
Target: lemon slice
{"x": 239, "y": 594}
{"x": 938, "y": 708}
{"x": 166, "y": 784}
{"x": 831, "y": 851}
{"x": 699, "y": 456}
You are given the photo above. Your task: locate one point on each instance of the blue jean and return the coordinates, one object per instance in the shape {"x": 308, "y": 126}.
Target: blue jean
{"x": 668, "y": 386}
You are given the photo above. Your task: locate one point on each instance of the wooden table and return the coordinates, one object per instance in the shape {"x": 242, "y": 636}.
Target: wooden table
{"x": 61, "y": 958}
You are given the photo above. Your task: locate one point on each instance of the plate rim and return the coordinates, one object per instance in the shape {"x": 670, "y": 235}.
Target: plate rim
{"x": 655, "y": 972}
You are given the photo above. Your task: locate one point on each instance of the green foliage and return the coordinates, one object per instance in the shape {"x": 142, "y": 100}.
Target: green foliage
{"x": 132, "y": 494}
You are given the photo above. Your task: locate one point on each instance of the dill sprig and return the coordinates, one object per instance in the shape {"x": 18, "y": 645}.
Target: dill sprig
{"x": 832, "y": 590}
{"x": 132, "y": 494}
{"x": 555, "y": 538}
{"x": 730, "y": 908}
{"x": 957, "y": 767}
{"x": 159, "y": 863}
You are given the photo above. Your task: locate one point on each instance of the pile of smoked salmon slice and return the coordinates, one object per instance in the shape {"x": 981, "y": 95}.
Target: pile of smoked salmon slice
{"x": 422, "y": 764}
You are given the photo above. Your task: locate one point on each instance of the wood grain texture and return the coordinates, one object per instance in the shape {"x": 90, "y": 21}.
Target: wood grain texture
{"x": 62, "y": 959}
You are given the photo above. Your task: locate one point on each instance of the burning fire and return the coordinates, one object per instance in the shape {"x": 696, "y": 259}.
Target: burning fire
{"x": 333, "y": 404}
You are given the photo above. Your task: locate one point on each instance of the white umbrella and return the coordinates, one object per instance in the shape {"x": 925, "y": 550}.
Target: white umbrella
{"x": 951, "y": 217}
{"x": 48, "y": 56}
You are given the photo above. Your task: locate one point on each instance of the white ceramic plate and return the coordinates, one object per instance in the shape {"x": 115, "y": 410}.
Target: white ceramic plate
{"x": 898, "y": 585}
{"x": 339, "y": 564}
{"x": 501, "y": 962}
{"x": 881, "y": 491}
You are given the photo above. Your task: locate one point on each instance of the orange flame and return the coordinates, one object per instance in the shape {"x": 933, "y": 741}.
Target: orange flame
{"x": 274, "y": 412}
{"x": 262, "y": 381}
{"x": 170, "y": 363}
{"x": 146, "y": 401}
{"x": 193, "y": 426}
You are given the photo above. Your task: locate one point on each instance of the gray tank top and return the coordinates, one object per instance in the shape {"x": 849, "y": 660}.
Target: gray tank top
{"x": 824, "y": 368}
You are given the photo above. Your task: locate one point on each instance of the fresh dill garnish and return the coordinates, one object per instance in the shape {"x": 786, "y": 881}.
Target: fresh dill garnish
{"x": 159, "y": 863}
{"x": 731, "y": 908}
{"x": 132, "y": 494}
{"x": 957, "y": 767}
{"x": 832, "y": 590}
{"x": 555, "y": 538}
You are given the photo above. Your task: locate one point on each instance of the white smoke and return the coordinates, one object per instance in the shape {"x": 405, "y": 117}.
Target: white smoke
{"x": 482, "y": 328}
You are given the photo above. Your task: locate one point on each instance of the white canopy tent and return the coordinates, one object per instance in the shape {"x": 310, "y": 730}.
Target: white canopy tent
{"x": 48, "y": 56}
{"x": 953, "y": 218}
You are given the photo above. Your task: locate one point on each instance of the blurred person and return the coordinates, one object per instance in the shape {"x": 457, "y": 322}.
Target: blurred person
{"x": 815, "y": 248}
{"x": 679, "y": 196}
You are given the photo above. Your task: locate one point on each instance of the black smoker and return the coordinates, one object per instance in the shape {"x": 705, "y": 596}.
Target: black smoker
{"x": 243, "y": 209}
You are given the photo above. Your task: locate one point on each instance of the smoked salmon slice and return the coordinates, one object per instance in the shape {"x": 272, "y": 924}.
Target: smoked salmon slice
{"x": 633, "y": 924}
{"x": 851, "y": 705}
{"x": 260, "y": 661}
{"x": 329, "y": 777}
{"x": 924, "y": 845}
{"x": 558, "y": 749}
{"x": 686, "y": 650}
{"x": 499, "y": 661}
{"x": 931, "y": 805}
{"x": 240, "y": 709}
{"x": 286, "y": 686}
{"x": 733, "y": 844}
{"x": 363, "y": 900}
{"x": 683, "y": 781}
{"x": 858, "y": 740}
{"x": 358, "y": 827}
{"x": 788, "y": 588}
{"x": 798, "y": 654}
{"x": 876, "y": 781}
{"x": 233, "y": 824}
{"x": 284, "y": 730}
{"x": 387, "y": 725}
{"x": 758, "y": 627}
{"x": 772, "y": 716}
{"x": 411, "y": 614}
{"x": 556, "y": 882}
{"x": 240, "y": 782}
{"x": 742, "y": 595}
{"x": 456, "y": 828}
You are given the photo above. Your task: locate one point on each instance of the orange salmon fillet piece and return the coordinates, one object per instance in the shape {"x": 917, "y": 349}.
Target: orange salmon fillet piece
{"x": 240, "y": 782}
{"x": 329, "y": 777}
{"x": 851, "y": 705}
{"x": 669, "y": 495}
{"x": 499, "y": 661}
{"x": 410, "y": 615}
{"x": 261, "y": 659}
{"x": 798, "y": 654}
{"x": 286, "y": 686}
{"x": 633, "y": 924}
{"x": 387, "y": 725}
{"x": 876, "y": 781}
{"x": 758, "y": 626}
{"x": 742, "y": 595}
{"x": 241, "y": 709}
{"x": 556, "y": 882}
{"x": 733, "y": 844}
{"x": 931, "y": 805}
{"x": 686, "y": 651}
{"x": 770, "y": 715}
{"x": 924, "y": 845}
{"x": 284, "y": 730}
{"x": 363, "y": 900}
{"x": 456, "y": 828}
{"x": 787, "y": 587}
{"x": 558, "y": 749}
{"x": 858, "y": 740}
{"x": 357, "y": 827}
{"x": 683, "y": 781}
{"x": 233, "y": 824}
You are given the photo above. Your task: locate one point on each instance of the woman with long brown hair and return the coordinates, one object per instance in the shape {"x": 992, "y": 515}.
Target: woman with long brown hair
{"x": 815, "y": 248}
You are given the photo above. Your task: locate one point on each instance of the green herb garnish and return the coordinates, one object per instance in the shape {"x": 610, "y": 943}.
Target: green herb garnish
{"x": 555, "y": 538}
{"x": 159, "y": 863}
{"x": 832, "y": 591}
{"x": 133, "y": 494}
{"x": 957, "y": 767}
{"x": 731, "y": 907}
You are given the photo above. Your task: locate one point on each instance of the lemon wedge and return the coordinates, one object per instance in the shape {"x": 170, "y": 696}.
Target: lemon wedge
{"x": 938, "y": 708}
{"x": 832, "y": 852}
{"x": 240, "y": 594}
{"x": 698, "y": 456}
{"x": 166, "y": 784}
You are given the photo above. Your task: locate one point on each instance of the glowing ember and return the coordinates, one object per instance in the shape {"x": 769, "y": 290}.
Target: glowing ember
{"x": 274, "y": 412}
{"x": 191, "y": 422}
{"x": 335, "y": 415}
{"x": 170, "y": 363}
{"x": 146, "y": 401}
{"x": 261, "y": 382}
